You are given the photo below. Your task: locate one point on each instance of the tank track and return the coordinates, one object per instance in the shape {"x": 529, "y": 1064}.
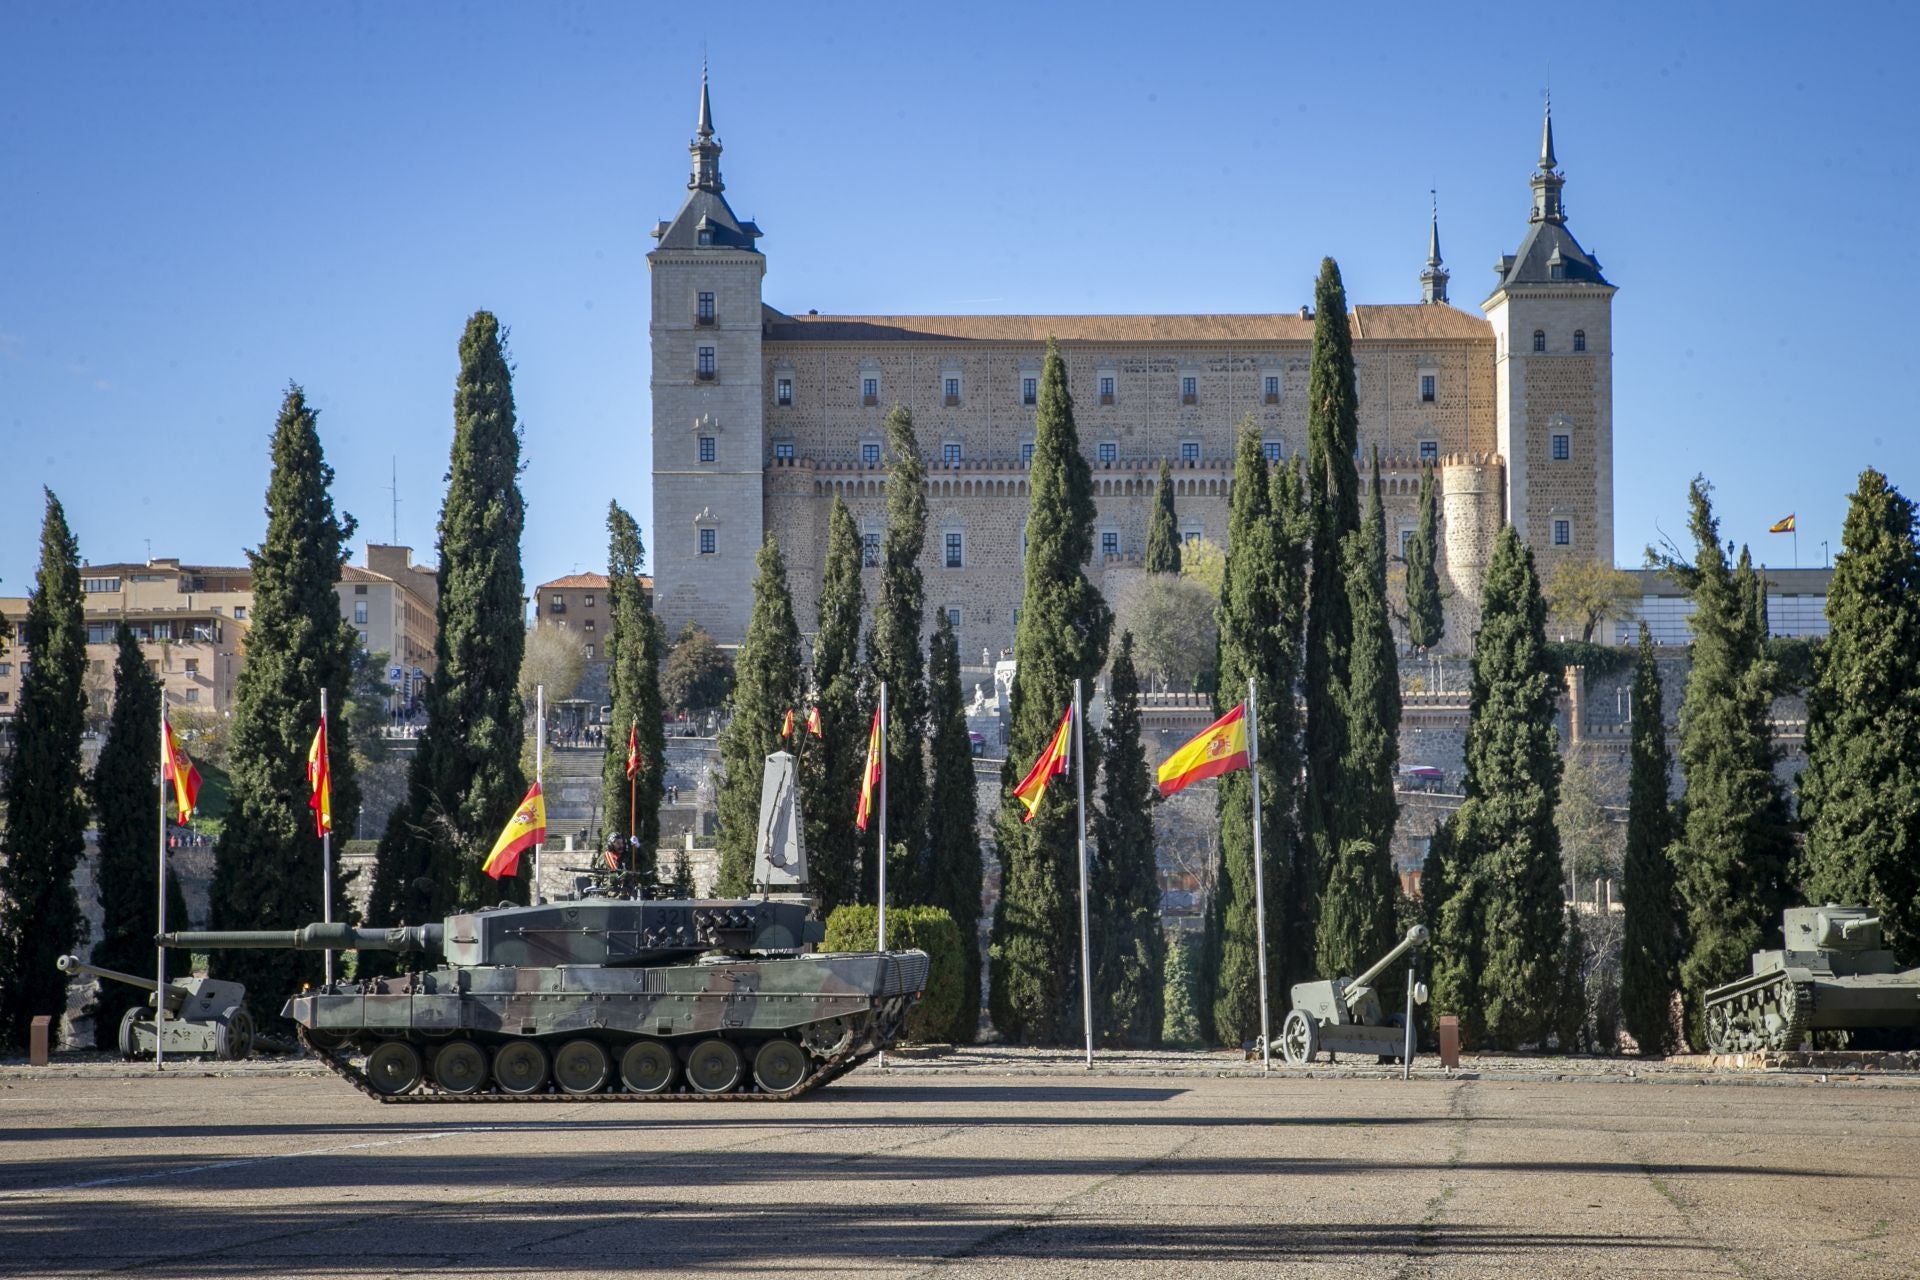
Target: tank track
{"x": 830, "y": 1069}
{"x": 1752, "y": 999}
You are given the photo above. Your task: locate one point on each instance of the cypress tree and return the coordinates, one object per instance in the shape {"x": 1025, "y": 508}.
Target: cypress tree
{"x": 1501, "y": 928}
{"x": 634, "y": 642}
{"x": 1062, "y": 637}
{"x": 894, "y": 657}
{"x": 1860, "y": 794}
{"x": 767, "y": 684}
{"x": 1129, "y": 949}
{"x": 1357, "y": 923}
{"x": 125, "y": 798}
{"x": 835, "y": 760}
{"x": 1163, "y": 528}
{"x": 46, "y": 813}
{"x": 266, "y": 863}
{"x": 953, "y": 865}
{"x": 466, "y": 778}
{"x": 1258, "y": 606}
{"x": 1734, "y": 847}
{"x": 1333, "y": 489}
{"x": 1650, "y": 935}
{"x": 1426, "y": 619}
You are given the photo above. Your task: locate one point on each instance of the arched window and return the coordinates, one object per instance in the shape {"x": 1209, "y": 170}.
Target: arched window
{"x": 1539, "y": 339}
{"x": 1579, "y": 339}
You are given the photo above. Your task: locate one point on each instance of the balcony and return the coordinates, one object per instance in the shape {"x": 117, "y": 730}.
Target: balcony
{"x": 705, "y": 321}
{"x": 705, "y": 375}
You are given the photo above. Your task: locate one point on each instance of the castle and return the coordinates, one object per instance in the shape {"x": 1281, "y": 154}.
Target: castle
{"x": 760, "y": 418}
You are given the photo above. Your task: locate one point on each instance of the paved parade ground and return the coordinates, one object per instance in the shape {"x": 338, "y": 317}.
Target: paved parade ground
{"x": 284, "y": 1171}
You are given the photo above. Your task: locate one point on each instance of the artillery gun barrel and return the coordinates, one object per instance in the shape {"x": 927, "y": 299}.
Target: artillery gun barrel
{"x": 1415, "y": 939}
{"x": 313, "y": 937}
{"x": 75, "y": 965}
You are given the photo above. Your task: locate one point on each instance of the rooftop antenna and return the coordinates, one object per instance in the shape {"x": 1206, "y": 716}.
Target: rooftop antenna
{"x": 149, "y": 550}
{"x": 394, "y": 489}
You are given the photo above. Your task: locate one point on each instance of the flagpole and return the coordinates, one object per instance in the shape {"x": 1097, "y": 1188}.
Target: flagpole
{"x": 1259, "y": 877}
{"x": 539, "y": 761}
{"x": 326, "y": 834}
{"x": 881, "y": 922}
{"x": 633, "y": 793}
{"x": 160, "y": 950}
{"x": 1086, "y": 949}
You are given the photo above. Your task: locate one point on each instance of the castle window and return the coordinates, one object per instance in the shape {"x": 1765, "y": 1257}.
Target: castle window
{"x": 1579, "y": 339}
{"x": 1562, "y": 448}
{"x": 704, "y": 309}
{"x": 1273, "y": 388}
{"x": 1029, "y": 391}
{"x": 709, "y": 541}
{"x": 1406, "y": 536}
{"x": 1189, "y": 454}
{"x": 870, "y": 390}
{"x": 1026, "y": 460}
{"x": 705, "y": 237}
{"x": 783, "y": 450}
{"x": 950, "y": 453}
{"x": 870, "y": 551}
{"x": 1106, "y": 388}
{"x": 1427, "y": 387}
{"x": 953, "y": 390}
{"x": 1556, "y": 271}
{"x": 1539, "y": 339}
{"x": 953, "y": 618}
{"x": 1189, "y": 390}
{"x": 1110, "y": 544}
{"x": 869, "y": 457}
{"x": 1191, "y": 536}
{"x": 1109, "y": 452}
{"x": 783, "y": 392}
{"x": 1563, "y": 533}
{"x": 1429, "y": 451}
{"x": 706, "y": 362}
{"x": 956, "y": 550}
{"x": 1272, "y": 450}
{"x": 708, "y": 451}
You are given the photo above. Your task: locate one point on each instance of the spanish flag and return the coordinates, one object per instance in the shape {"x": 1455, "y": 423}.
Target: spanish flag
{"x": 1220, "y": 748}
{"x": 179, "y": 770}
{"x": 1051, "y": 764}
{"x": 813, "y": 722}
{"x": 870, "y": 776}
{"x": 524, "y": 830}
{"x": 1781, "y": 526}
{"x": 320, "y": 782}
{"x": 786, "y": 726}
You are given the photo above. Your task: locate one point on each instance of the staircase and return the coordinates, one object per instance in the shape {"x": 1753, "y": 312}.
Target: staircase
{"x": 571, "y": 781}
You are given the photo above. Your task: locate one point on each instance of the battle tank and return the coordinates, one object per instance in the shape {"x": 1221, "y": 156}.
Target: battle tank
{"x": 1832, "y": 975}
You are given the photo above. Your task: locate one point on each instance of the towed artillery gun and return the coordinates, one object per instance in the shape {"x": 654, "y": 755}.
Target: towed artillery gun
{"x": 1342, "y": 1015}
{"x": 1832, "y": 975}
{"x": 204, "y": 1015}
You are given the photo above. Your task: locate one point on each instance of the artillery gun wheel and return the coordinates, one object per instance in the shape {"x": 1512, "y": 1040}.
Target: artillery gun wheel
{"x": 393, "y": 1067}
{"x": 460, "y": 1067}
{"x": 233, "y": 1039}
{"x": 127, "y": 1047}
{"x": 713, "y": 1066}
{"x": 521, "y": 1067}
{"x": 647, "y": 1067}
{"x": 1299, "y": 1038}
{"x": 580, "y": 1066}
{"x": 779, "y": 1066}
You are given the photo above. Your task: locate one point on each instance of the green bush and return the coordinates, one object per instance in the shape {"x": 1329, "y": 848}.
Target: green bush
{"x": 928, "y": 929}
{"x": 1181, "y": 1019}
{"x": 1600, "y": 660}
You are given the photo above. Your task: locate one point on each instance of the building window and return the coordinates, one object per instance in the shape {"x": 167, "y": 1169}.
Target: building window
{"x": 360, "y": 589}
{"x": 870, "y": 391}
{"x": 163, "y": 630}
{"x": 1109, "y": 451}
{"x": 360, "y": 619}
{"x": 953, "y": 618}
{"x": 706, "y": 362}
{"x": 587, "y": 625}
{"x": 708, "y": 451}
{"x": 1429, "y": 451}
{"x": 1191, "y": 536}
{"x": 100, "y": 633}
{"x": 1539, "y": 339}
{"x": 869, "y": 456}
{"x": 239, "y": 615}
{"x": 1029, "y": 391}
{"x": 93, "y": 585}
{"x": 1562, "y": 448}
{"x": 705, "y": 237}
{"x": 953, "y": 390}
{"x": 1106, "y": 388}
{"x": 956, "y": 550}
{"x": 709, "y": 541}
{"x": 870, "y": 550}
{"x": 783, "y": 392}
{"x": 192, "y": 664}
{"x": 1563, "y": 533}
{"x": 949, "y": 454}
{"x": 590, "y": 653}
{"x": 1406, "y": 536}
{"x": 783, "y": 450}
{"x": 1189, "y": 453}
{"x": 559, "y": 602}
{"x": 586, "y": 602}
{"x": 1026, "y": 460}
{"x": 1427, "y": 389}
{"x": 1273, "y": 388}
{"x": 6, "y": 668}
{"x": 1271, "y": 450}
{"x": 705, "y": 309}
{"x": 1189, "y": 390}
{"x": 1579, "y": 339}
{"x": 193, "y": 695}
{"x": 1109, "y": 544}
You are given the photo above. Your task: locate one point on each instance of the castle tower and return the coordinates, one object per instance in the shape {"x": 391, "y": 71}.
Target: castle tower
{"x": 708, "y": 452}
{"x": 1552, "y": 318}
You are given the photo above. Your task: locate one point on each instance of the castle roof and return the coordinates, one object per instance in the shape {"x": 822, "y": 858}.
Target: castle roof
{"x": 1549, "y": 245}
{"x": 1412, "y": 322}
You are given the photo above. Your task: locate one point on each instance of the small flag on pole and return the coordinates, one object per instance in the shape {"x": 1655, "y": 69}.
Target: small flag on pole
{"x": 526, "y": 829}
{"x": 1781, "y": 526}
{"x": 786, "y": 726}
{"x": 633, "y": 750}
{"x": 870, "y": 776}
{"x": 1051, "y": 764}
{"x": 1220, "y": 748}
{"x": 320, "y": 782}
{"x": 813, "y": 722}
{"x": 179, "y": 770}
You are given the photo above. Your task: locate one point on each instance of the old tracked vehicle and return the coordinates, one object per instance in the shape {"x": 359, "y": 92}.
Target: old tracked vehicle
{"x": 1832, "y": 975}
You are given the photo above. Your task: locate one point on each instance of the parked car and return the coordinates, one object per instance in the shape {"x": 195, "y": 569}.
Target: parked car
{"x": 978, "y": 742}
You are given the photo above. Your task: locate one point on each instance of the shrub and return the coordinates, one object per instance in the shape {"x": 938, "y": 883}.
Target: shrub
{"x": 1181, "y": 1021}
{"x": 929, "y": 929}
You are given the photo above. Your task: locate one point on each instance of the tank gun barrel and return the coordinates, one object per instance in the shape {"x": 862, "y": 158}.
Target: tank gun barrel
{"x": 1850, "y": 927}
{"x": 313, "y": 937}
{"x": 75, "y": 965}
{"x": 1415, "y": 939}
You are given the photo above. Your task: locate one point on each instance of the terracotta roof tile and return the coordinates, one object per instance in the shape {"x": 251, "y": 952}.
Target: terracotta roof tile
{"x": 1414, "y": 321}
{"x": 575, "y": 580}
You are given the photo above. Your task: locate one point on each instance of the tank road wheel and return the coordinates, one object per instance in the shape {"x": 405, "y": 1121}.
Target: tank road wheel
{"x": 780, "y": 1066}
{"x": 460, "y": 1067}
{"x": 233, "y": 1039}
{"x": 521, "y": 1067}
{"x": 713, "y": 1066}
{"x": 1720, "y": 1027}
{"x": 580, "y": 1066}
{"x": 393, "y": 1067}
{"x": 329, "y": 1040}
{"x": 1299, "y": 1038}
{"x": 647, "y": 1067}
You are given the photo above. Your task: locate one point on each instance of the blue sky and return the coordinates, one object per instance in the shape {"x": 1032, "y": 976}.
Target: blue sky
{"x": 198, "y": 205}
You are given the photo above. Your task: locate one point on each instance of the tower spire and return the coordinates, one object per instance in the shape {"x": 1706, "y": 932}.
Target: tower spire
{"x": 1433, "y": 281}
{"x": 706, "y": 104}
{"x": 1547, "y": 162}
{"x": 1548, "y": 180}
{"x": 705, "y": 148}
